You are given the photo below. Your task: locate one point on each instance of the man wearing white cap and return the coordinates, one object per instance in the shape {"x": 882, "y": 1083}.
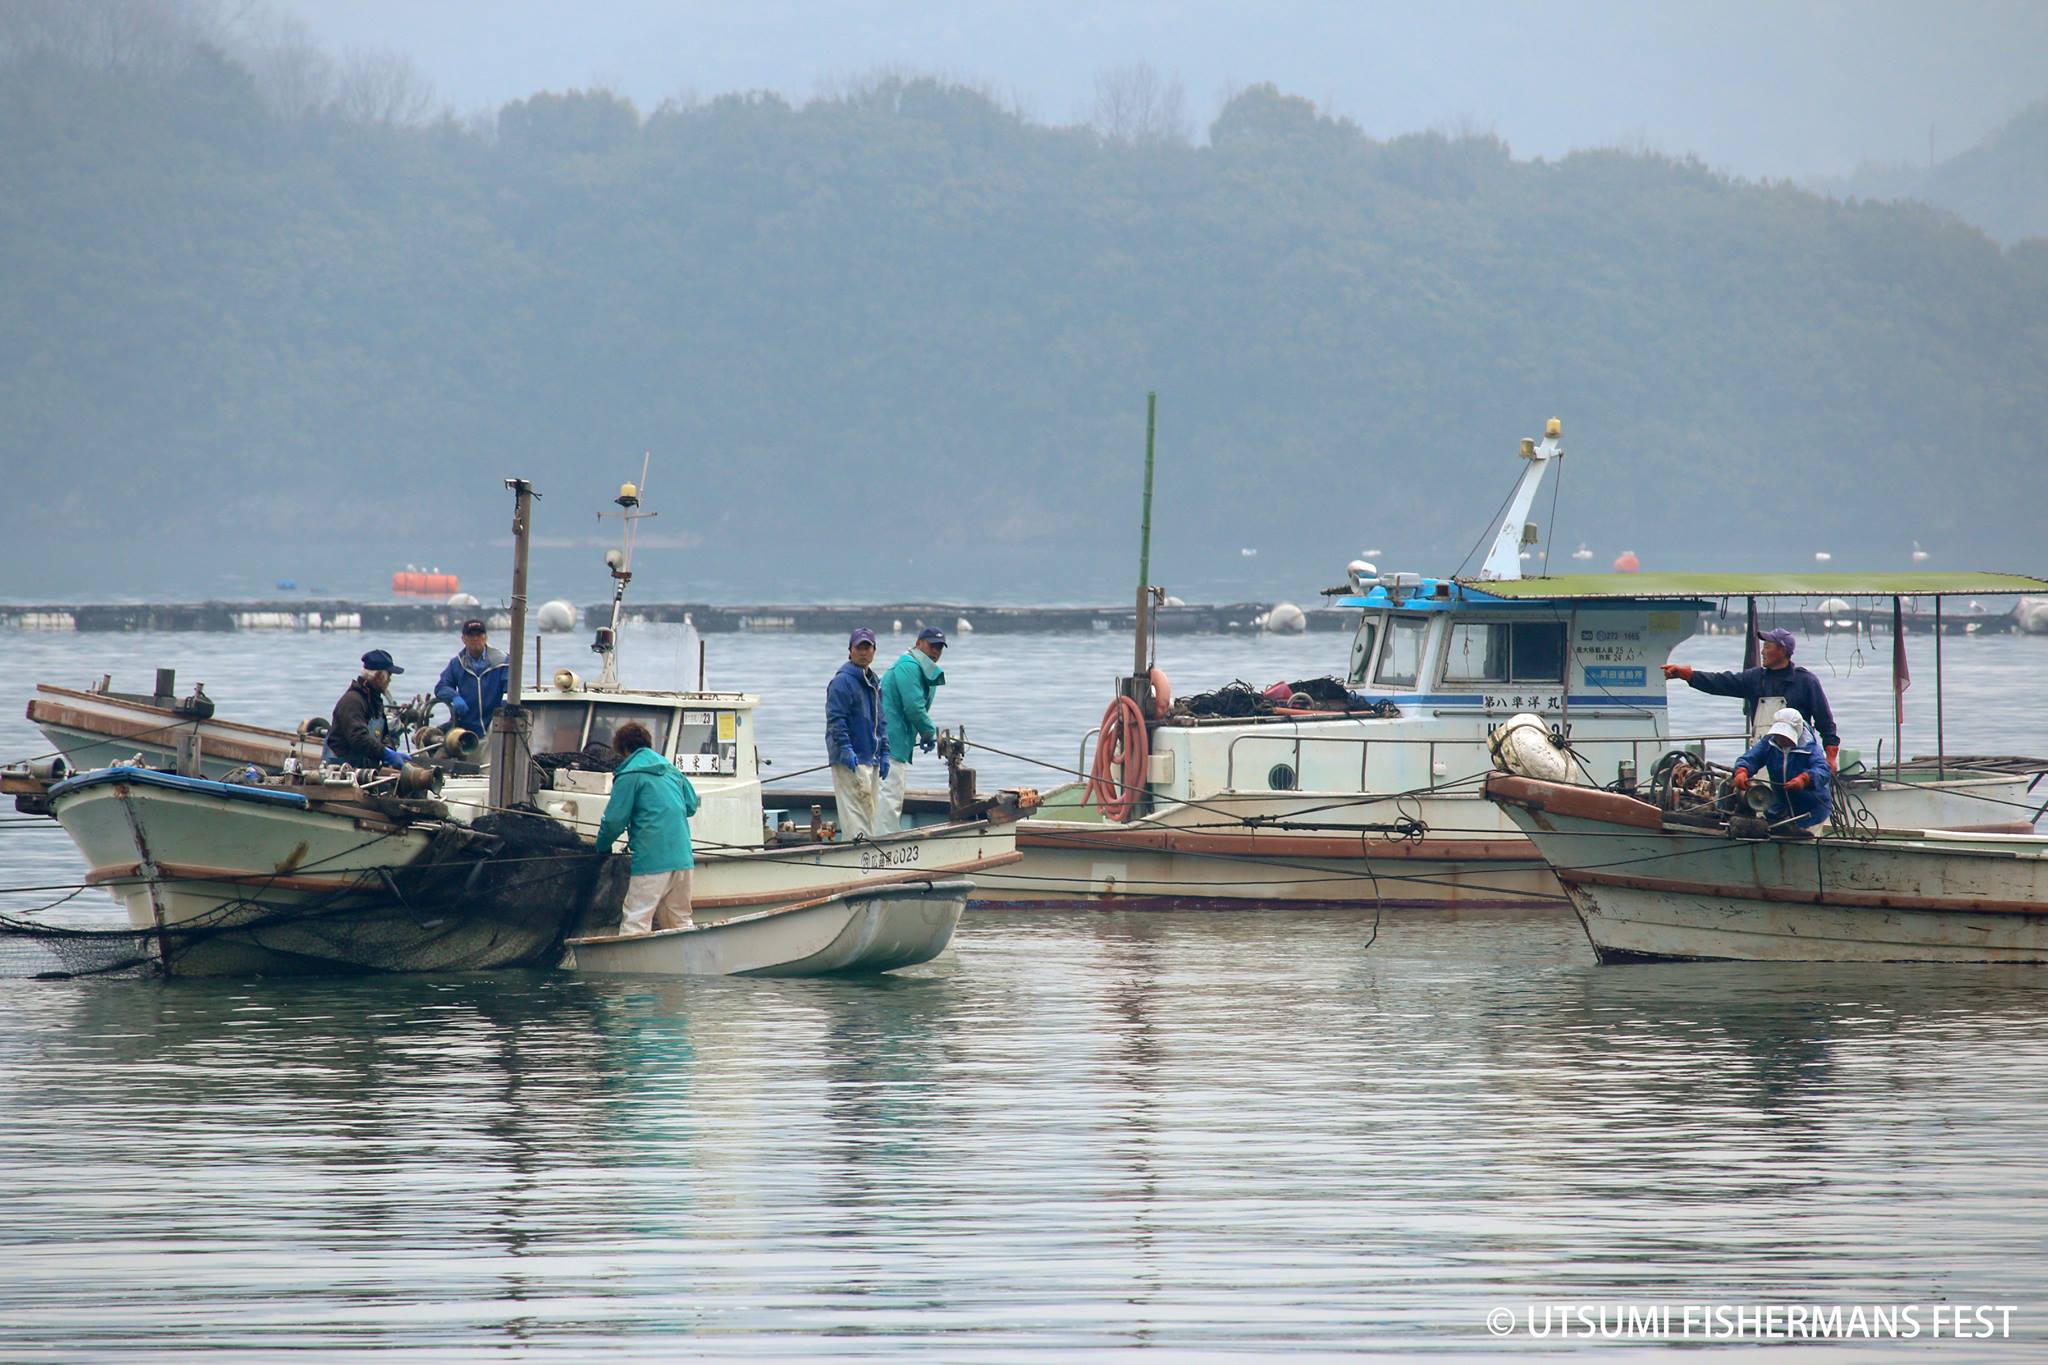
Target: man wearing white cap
{"x": 1802, "y": 780}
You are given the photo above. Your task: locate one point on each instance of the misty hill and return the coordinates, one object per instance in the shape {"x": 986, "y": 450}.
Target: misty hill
{"x": 2000, "y": 185}
{"x": 897, "y": 342}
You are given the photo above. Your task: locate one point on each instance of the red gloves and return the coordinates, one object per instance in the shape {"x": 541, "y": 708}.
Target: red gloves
{"x": 1834, "y": 758}
{"x": 1799, "y": 783}
{"x": 1683, "y": 672}
{"x": 1741, "y": 779}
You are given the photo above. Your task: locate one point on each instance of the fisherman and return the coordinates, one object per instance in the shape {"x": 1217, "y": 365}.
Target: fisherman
{"x": 856, "y": 736}
{"x": 1802, "y": 779}
{"x": 652, "y": 804}
{"x": 1765, "y": 690}
{"x": 907, "y": 691}
{"x": 473, "y": 683}
{"x": 359, "y": 733}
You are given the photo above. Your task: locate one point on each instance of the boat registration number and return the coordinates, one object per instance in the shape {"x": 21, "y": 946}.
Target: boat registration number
{"x": 880, "y": 859}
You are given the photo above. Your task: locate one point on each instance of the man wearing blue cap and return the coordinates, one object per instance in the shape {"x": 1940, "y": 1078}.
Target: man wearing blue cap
{"x": 856, "y": 737}
{"x": 359, "y": 733}
{"x": 907, "y": 691}
{"x": 1766, "y": 690}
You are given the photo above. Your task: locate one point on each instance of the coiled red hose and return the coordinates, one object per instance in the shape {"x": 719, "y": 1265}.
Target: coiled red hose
{"x": 1123, "y": 748}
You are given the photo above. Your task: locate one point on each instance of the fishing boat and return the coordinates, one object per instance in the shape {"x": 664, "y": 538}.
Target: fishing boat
{"x": 98, "y": 727}
{"x": 1365, "y": 788}
{"x": 848, "y": 932}
{"x": 373, "y": 864}
{"x": 1649, "y": 886}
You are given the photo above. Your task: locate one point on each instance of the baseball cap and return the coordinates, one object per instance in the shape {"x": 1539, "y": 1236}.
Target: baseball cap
{"x": 1789, "y": 723}
{"x": 933, "y": 634}
{"x": 472, "y": 627}
{"x": 1782, "y": 638}
{"x": 863, "y": 636}
{"x": 379, "y": 661}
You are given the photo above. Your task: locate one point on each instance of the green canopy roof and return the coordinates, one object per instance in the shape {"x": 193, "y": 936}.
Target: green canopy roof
{"x": 1642, "y": 586}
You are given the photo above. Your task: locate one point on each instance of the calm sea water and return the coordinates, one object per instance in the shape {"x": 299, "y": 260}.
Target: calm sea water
{"x": 1078, "y": 1132}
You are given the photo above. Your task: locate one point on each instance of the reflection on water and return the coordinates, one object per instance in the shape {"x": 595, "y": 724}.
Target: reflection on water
{"x": 1079, "y": 1130}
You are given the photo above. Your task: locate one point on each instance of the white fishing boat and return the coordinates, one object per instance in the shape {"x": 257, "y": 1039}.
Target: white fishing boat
{"x": 863, "y": 931}
{"x": 329, "y": 868}
{"x": 1648, "y": 887}
{"x": 1370, "y": 793}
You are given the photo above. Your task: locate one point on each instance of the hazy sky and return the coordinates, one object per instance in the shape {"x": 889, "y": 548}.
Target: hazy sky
{"x": 1759, "y": 87}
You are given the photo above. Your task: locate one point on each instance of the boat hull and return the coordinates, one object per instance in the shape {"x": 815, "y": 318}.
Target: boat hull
{"x": 738, "y": 881}
{"x": 94, "y": 730}
{"x": 1647, "y": 891}
{"x": 869, "y": 931}
{"x": 228, "y": 883}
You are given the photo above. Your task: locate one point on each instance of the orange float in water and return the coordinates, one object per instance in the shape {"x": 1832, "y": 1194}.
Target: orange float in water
{"x": 1626, "y": 562}
{"x": 413, "y": 583}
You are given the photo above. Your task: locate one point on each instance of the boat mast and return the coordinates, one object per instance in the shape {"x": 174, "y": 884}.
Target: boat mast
{"x": 620, "y": 562}
{"x": 1504, "y": 560}
{"x": 512, "y": 726}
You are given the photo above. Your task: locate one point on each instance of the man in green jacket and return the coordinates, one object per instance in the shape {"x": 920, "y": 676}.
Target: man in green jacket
{"x": 907, "y": 691}
{"x": 652, "y": 803}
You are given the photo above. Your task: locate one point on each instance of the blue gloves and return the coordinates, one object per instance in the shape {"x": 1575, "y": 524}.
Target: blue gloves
{"x": 927, "y": 744}
{"x": 882, "y": 766}
{"x": 460, "y": 708}
{"x": 846, "y": 758}
{"x": 393, "y": 759}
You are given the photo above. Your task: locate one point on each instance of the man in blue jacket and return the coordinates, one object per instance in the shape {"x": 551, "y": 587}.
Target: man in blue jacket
{"x": 856, "y": 739}
{"x": 907, "y": 691}
{"x": 1778, "y": 683}
{"x": 652, "y": 804}
{"x": 1802, "y": 781}
{"x": 473, "y": 684}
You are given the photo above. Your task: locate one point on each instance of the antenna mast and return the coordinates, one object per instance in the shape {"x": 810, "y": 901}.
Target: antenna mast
{"x": 1504, "y": 560}
{"x": 620, "y": 562}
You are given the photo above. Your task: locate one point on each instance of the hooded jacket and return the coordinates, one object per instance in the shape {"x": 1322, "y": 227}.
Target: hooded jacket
{"x": 474, "y": 688}
{"x": 853, "y": 717}
{"x": 907, "y": 691}
{"x": 652, "y": 803}
{"x": 1800, "y": 689}
{"x": 1811, "y": 806}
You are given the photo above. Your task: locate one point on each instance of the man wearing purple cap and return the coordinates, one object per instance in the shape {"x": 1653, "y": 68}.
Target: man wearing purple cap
{"x": 856, "y": 739}
{"x": 1765, "y": 690}
{"x": 907, "y": 691}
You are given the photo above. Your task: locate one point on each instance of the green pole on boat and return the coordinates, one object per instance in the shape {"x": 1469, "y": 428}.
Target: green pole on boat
{"x": 1145, "y": 542}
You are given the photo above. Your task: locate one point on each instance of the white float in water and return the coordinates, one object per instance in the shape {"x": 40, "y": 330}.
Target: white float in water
{"x": 963, "y": 626}
{"x": 463, "y": 599}
{"x": 1919, "y": 555}
{"x": 555, "y": 615}
{"x": 1286, "y": 619}
{"x": 1821, "y": 556}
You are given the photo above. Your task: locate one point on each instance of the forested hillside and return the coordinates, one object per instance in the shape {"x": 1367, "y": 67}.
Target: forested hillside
{"x": 2000, "y": 184}
{"x": 899, "y": 342}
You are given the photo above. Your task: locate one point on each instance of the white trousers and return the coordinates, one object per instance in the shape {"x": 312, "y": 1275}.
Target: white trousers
{"x": 889, "y": 800}
{"x": 854, "y": 790}
{"x": 658, "y": 900}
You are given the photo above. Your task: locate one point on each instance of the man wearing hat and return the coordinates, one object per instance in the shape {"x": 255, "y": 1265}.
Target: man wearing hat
{"x": 1767, "y": 689}
{"x": 856, "y": 737}
{"x": 907, "y": 691}
{"x": 1802, "y": 778}
{"x": 473, "y": 684}
{"x": 359, "y": 733}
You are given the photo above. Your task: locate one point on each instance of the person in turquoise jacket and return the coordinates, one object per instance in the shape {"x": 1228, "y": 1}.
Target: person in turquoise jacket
{"x": 907, "y": 691}
{"x": 651, "y": 804}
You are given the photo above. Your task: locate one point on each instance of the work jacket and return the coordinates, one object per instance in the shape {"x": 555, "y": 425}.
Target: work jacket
{"x": 1809, "y": 807}
{"x": 907, "y": 691}
{"x": 652, "y": 804}
{"x": 853, "y": 717}
{"x": 358, "y": 733}
{"x": 1799, "y": 688}
{"x": 474, "y": 688}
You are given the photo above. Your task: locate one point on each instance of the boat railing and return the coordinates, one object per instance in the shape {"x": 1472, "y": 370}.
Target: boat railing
{"x": 1655, "y": 745}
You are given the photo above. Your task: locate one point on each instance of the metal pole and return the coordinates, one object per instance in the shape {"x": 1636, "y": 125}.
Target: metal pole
{"x": 1751, "y": 656}
{"x": 1940, "y": 748}
{"x": 1898, "y": 697}
{"x": 512, "y": 726}
{"x": 1145, "y": 542}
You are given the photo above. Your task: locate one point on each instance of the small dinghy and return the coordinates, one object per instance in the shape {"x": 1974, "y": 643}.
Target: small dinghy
{"x": 852, "y": 932}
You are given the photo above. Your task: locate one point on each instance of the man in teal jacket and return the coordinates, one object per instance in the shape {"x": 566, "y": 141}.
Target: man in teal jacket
{"x": 652, "y": 804}
{"x": 907, "y": 691}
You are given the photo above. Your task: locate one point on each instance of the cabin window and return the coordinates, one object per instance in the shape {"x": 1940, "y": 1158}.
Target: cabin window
{"x": 709, "y": 743}
{"x": 1361, "y": 650}
{"x": 1481, "y": 652}
{"x": 558, "y": 726}
{"x": 605, "y": 720}
{"x": 1401, "y": 661}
